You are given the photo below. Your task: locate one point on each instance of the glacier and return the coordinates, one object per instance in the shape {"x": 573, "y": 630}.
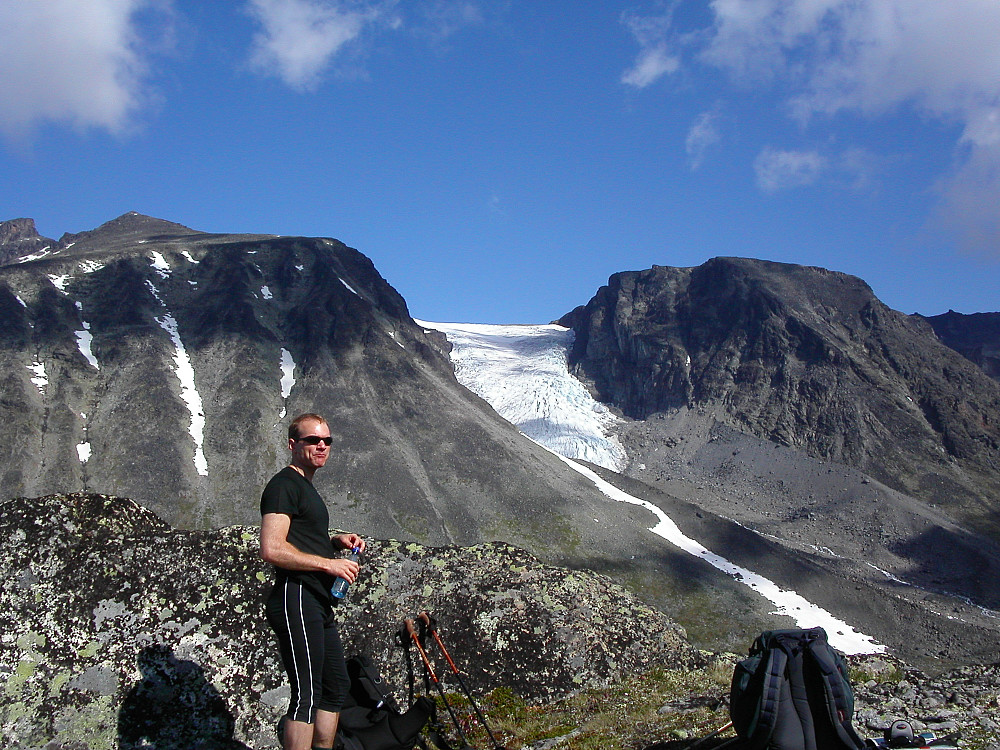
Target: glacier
{"x": 522, "y": 372}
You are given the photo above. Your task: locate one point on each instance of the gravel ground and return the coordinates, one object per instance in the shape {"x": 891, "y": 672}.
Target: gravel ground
{"x": 897, "y": 568}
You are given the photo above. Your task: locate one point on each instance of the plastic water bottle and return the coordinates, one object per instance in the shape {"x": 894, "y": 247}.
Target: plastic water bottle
{"x": 340, "y": 586}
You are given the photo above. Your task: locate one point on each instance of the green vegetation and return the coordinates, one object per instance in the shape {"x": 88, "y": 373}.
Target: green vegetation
{"x": 661, "y": 705}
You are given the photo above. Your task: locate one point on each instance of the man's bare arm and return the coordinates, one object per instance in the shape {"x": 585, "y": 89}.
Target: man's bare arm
{"x": 277, "y": 550}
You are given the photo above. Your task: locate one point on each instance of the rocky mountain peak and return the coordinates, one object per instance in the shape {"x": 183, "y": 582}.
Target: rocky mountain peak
{"x": 976, "y": 337}
{"x": 806, "y": 357}
{"x": 131, "y": 227}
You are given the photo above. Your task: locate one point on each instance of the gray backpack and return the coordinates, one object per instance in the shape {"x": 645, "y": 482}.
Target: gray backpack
{"x": 792, "y": 693}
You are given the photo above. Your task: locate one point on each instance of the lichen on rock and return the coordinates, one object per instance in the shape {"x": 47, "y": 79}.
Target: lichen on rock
{"x": 117, "y": 631}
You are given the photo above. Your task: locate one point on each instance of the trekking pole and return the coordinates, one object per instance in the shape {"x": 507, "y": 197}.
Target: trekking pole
{"x": 429, "y": 623}
{"x": 437, "y": 683}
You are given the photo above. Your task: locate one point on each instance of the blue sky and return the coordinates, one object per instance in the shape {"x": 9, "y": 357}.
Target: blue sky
{"x": 499, "y": 160}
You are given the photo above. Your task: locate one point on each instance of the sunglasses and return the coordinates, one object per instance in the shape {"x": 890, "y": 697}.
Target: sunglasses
{"x": 316, "y": 440}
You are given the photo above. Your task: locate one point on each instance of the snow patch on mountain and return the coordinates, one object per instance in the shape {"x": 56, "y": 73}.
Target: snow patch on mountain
{"x": 84, "y": 340}
{"x": 39, "y": 378}
{"x": 287, "y": 365}
{"x": 185, "y": 373}
{"x": 160, "y": 264}
{"x": 790, "y": 604}
{"x": 59, "y": 282}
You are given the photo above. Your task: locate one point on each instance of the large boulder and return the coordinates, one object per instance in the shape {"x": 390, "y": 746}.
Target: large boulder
{"x": 119, "y": 631}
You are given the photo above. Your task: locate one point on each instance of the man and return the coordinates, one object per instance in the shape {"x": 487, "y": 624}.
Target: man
{"x": 294, "y": 537}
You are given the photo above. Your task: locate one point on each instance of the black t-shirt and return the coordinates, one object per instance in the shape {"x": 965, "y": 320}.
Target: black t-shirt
{"x": 292, "y": 494}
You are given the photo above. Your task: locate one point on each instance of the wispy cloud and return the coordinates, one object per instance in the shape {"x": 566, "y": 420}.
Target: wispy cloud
{"x": 655, "y": 59}
{"x": 299, "y": 38}
{"x": 85, "y": 64}
{"x": 704, "y": 134}
{"x": 870, "y": 58}
{"x": 780, "y": 170}
{"x": 851, "y": 169}
{"x": 442, "y": 19}
{"x": 970, "y": 200}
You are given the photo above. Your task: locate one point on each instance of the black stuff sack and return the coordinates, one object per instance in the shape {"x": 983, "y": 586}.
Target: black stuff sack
{"x": 371, "y": 718}
{"x": 792, "y": 693}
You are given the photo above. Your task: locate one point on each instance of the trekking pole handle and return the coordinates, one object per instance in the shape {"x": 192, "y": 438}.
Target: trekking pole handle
{"x": 408, "y": 623}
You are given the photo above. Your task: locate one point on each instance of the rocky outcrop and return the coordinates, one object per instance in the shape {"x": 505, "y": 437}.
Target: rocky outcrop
{"x": 976, "y": 337}
{"x": 803, "y": 357}
{"x": 19, "y": 239}
{"x": 119, "y": 631}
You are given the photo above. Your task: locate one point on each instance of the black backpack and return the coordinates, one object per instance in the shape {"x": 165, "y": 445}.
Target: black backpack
{"x": 792, "y": 693}
{"x": 371, "y": 719}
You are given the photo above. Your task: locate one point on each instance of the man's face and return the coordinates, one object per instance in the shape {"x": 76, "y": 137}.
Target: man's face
{"x": 307, "y": 451}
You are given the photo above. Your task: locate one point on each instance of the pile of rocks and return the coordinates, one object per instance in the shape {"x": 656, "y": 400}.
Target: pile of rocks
{"x": 963, "y": 701}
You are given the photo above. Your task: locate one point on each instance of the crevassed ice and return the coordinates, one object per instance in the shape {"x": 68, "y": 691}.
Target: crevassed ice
{"x": 185, "y": 373}
{"x": 521, "y": 372}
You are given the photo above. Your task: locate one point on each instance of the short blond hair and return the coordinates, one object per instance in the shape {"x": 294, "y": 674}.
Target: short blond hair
{"x": 293, "y": 429}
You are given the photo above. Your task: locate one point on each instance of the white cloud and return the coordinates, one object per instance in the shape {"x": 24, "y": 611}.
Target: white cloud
{"x": 970, "y": 200}
{"x": 441, "y": 19}
{"x": 704, "y": 133}
{"x": 652, "y": 64}
{"x": 654, "y": 59}
{"x": 81, "y": 63}
{"x": 874, "y": 57}
{"x": 780, "y": 170}
{"x": 299, "y": 38}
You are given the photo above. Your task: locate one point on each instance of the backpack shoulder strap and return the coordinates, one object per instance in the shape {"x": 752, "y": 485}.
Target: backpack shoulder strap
{"x": 756, "y": 692}
{"x": 837, "y": 690}
{"x": 370, "y": 679}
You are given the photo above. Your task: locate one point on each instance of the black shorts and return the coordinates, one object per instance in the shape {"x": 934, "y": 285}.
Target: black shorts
{"x": 310, "y": 650}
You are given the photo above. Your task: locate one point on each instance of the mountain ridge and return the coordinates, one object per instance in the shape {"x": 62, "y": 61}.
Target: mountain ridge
{"x": 151, "y": 361}
{"x": 805, "y": 357}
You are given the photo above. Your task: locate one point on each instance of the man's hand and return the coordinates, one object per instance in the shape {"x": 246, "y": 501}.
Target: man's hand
{"x": 347, "y": 569}
{"x": 349, "y": 541}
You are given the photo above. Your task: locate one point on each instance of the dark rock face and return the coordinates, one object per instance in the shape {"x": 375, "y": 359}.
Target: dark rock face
{"x": 121, "y": 632}
{"x": 145, "y": 359}
{"x": 806, "y": 358}
{"x": 976, "y": 337}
